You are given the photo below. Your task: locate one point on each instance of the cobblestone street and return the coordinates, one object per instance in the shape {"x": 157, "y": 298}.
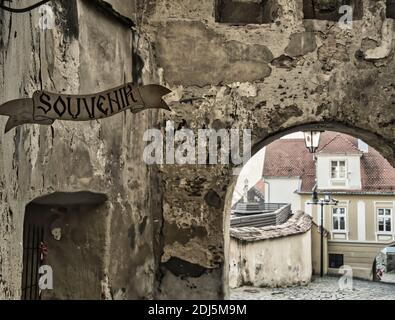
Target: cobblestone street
{"x": 319, "y": 289}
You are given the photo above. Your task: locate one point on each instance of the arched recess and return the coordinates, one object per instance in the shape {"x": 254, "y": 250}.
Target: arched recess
{"x": 373, "y": 139}
{"x": 65, "y": 231}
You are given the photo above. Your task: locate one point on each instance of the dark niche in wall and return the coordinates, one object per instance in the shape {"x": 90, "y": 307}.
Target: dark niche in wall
{"x": 241, "y": 12}
{"x": 391, "y": 9}
{"x": 329, "y": 9}
{"x": 65, "y": 231}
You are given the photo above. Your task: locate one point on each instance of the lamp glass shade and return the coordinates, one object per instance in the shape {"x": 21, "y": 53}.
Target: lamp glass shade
{"x": 312, "y": 140}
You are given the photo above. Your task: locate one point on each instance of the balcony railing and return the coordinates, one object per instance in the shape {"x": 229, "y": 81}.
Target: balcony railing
{"x": 256, "y": 208}
{"x": 279, "y": 213}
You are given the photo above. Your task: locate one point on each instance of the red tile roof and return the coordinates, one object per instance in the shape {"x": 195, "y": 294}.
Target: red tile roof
{"x": 376, "y": 172}
{"x": 260, "y": 186}
{"x": 335, "y": 143}
{"x": 290, "y": 158}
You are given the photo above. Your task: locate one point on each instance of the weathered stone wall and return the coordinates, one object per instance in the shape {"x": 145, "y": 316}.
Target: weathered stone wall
{"x": 75, "y": 237}
{"x": 280, "y": 262}
{"x": 359, "y": 257}
{"x": 274, "y": 78}
{"x": 89, "y": 50}
{"x": 390, "y": 262}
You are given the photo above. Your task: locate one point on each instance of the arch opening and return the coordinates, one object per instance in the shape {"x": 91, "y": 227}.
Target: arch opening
{"x": 363, "y": 208}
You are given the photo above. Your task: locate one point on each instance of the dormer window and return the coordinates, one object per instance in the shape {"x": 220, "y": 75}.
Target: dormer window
{"x": 329, "y": 9}
{"x": 338, "y": 170}
{"x": 242, "y": 12}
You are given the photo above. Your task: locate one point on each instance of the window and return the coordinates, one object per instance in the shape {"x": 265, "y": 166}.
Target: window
{"x": 339, "y": 219}
{"x": 336, "y": 260}
{"x": 240, "y": 12}
{"x": 384, "y": 220}
{"x": 391, "y": 9}
{"x": 338, "y": 169}
{"x": 329, "y": 9}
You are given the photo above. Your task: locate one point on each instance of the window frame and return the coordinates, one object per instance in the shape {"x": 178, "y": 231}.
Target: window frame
{"x": 332, "y": 255}
{"x": 385, "y": 218}
{"x": 339, "y": 216}
{"x": 338, "y": 178}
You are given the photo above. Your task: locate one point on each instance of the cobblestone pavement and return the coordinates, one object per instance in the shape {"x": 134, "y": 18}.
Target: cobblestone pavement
{"x": 319, "y": 289}
{"x": 388, "y": 278}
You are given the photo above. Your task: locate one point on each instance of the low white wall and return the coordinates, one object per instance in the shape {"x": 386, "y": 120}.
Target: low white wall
{"x": 278, "y": 262}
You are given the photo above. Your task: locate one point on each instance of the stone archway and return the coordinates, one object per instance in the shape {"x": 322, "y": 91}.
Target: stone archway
{"x": 323, "y": 82}
{"x": 196, "y": 246}
{"x": 334, "y": 126}
{"x": 181, "y": 260}
{"x": 272, "y": 79}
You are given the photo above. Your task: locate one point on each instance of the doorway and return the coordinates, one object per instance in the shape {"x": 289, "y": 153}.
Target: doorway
{"x": 64, "y": 233}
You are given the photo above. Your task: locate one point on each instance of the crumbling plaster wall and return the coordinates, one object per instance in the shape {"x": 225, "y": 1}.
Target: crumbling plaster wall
{"x": 281, "y": 262}
{"x": 272, "y": 78}
{"x": 88, "y": 51}
{"x": 255, "y": 76}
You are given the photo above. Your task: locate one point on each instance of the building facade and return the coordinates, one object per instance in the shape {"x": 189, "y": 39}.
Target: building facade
{"x": 357, "y": 176}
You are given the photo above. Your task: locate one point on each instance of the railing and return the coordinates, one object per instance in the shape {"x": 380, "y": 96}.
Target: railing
{"x": 33, "y": 237}
{"x": 283, "y": 214}
{"x": 254, "y": 208}
{"x": 263, "y": 219}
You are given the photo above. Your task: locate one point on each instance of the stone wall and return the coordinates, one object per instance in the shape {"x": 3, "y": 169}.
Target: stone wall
{"x": 89, "y": 50}
{"x": 390, "y": 262}
{"x": 274, "y": 78}
{"x": 360, "y": 257}
{"x": 279, "y": 262}
{"x": 75, "y": 237}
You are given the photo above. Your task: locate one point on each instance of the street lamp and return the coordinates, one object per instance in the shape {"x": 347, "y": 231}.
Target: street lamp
{"x": 327, "y": 201}
{"x": 312, "y": 140}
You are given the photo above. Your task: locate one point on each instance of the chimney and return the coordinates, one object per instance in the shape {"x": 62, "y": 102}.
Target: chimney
{"x": 362, "y": 146}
